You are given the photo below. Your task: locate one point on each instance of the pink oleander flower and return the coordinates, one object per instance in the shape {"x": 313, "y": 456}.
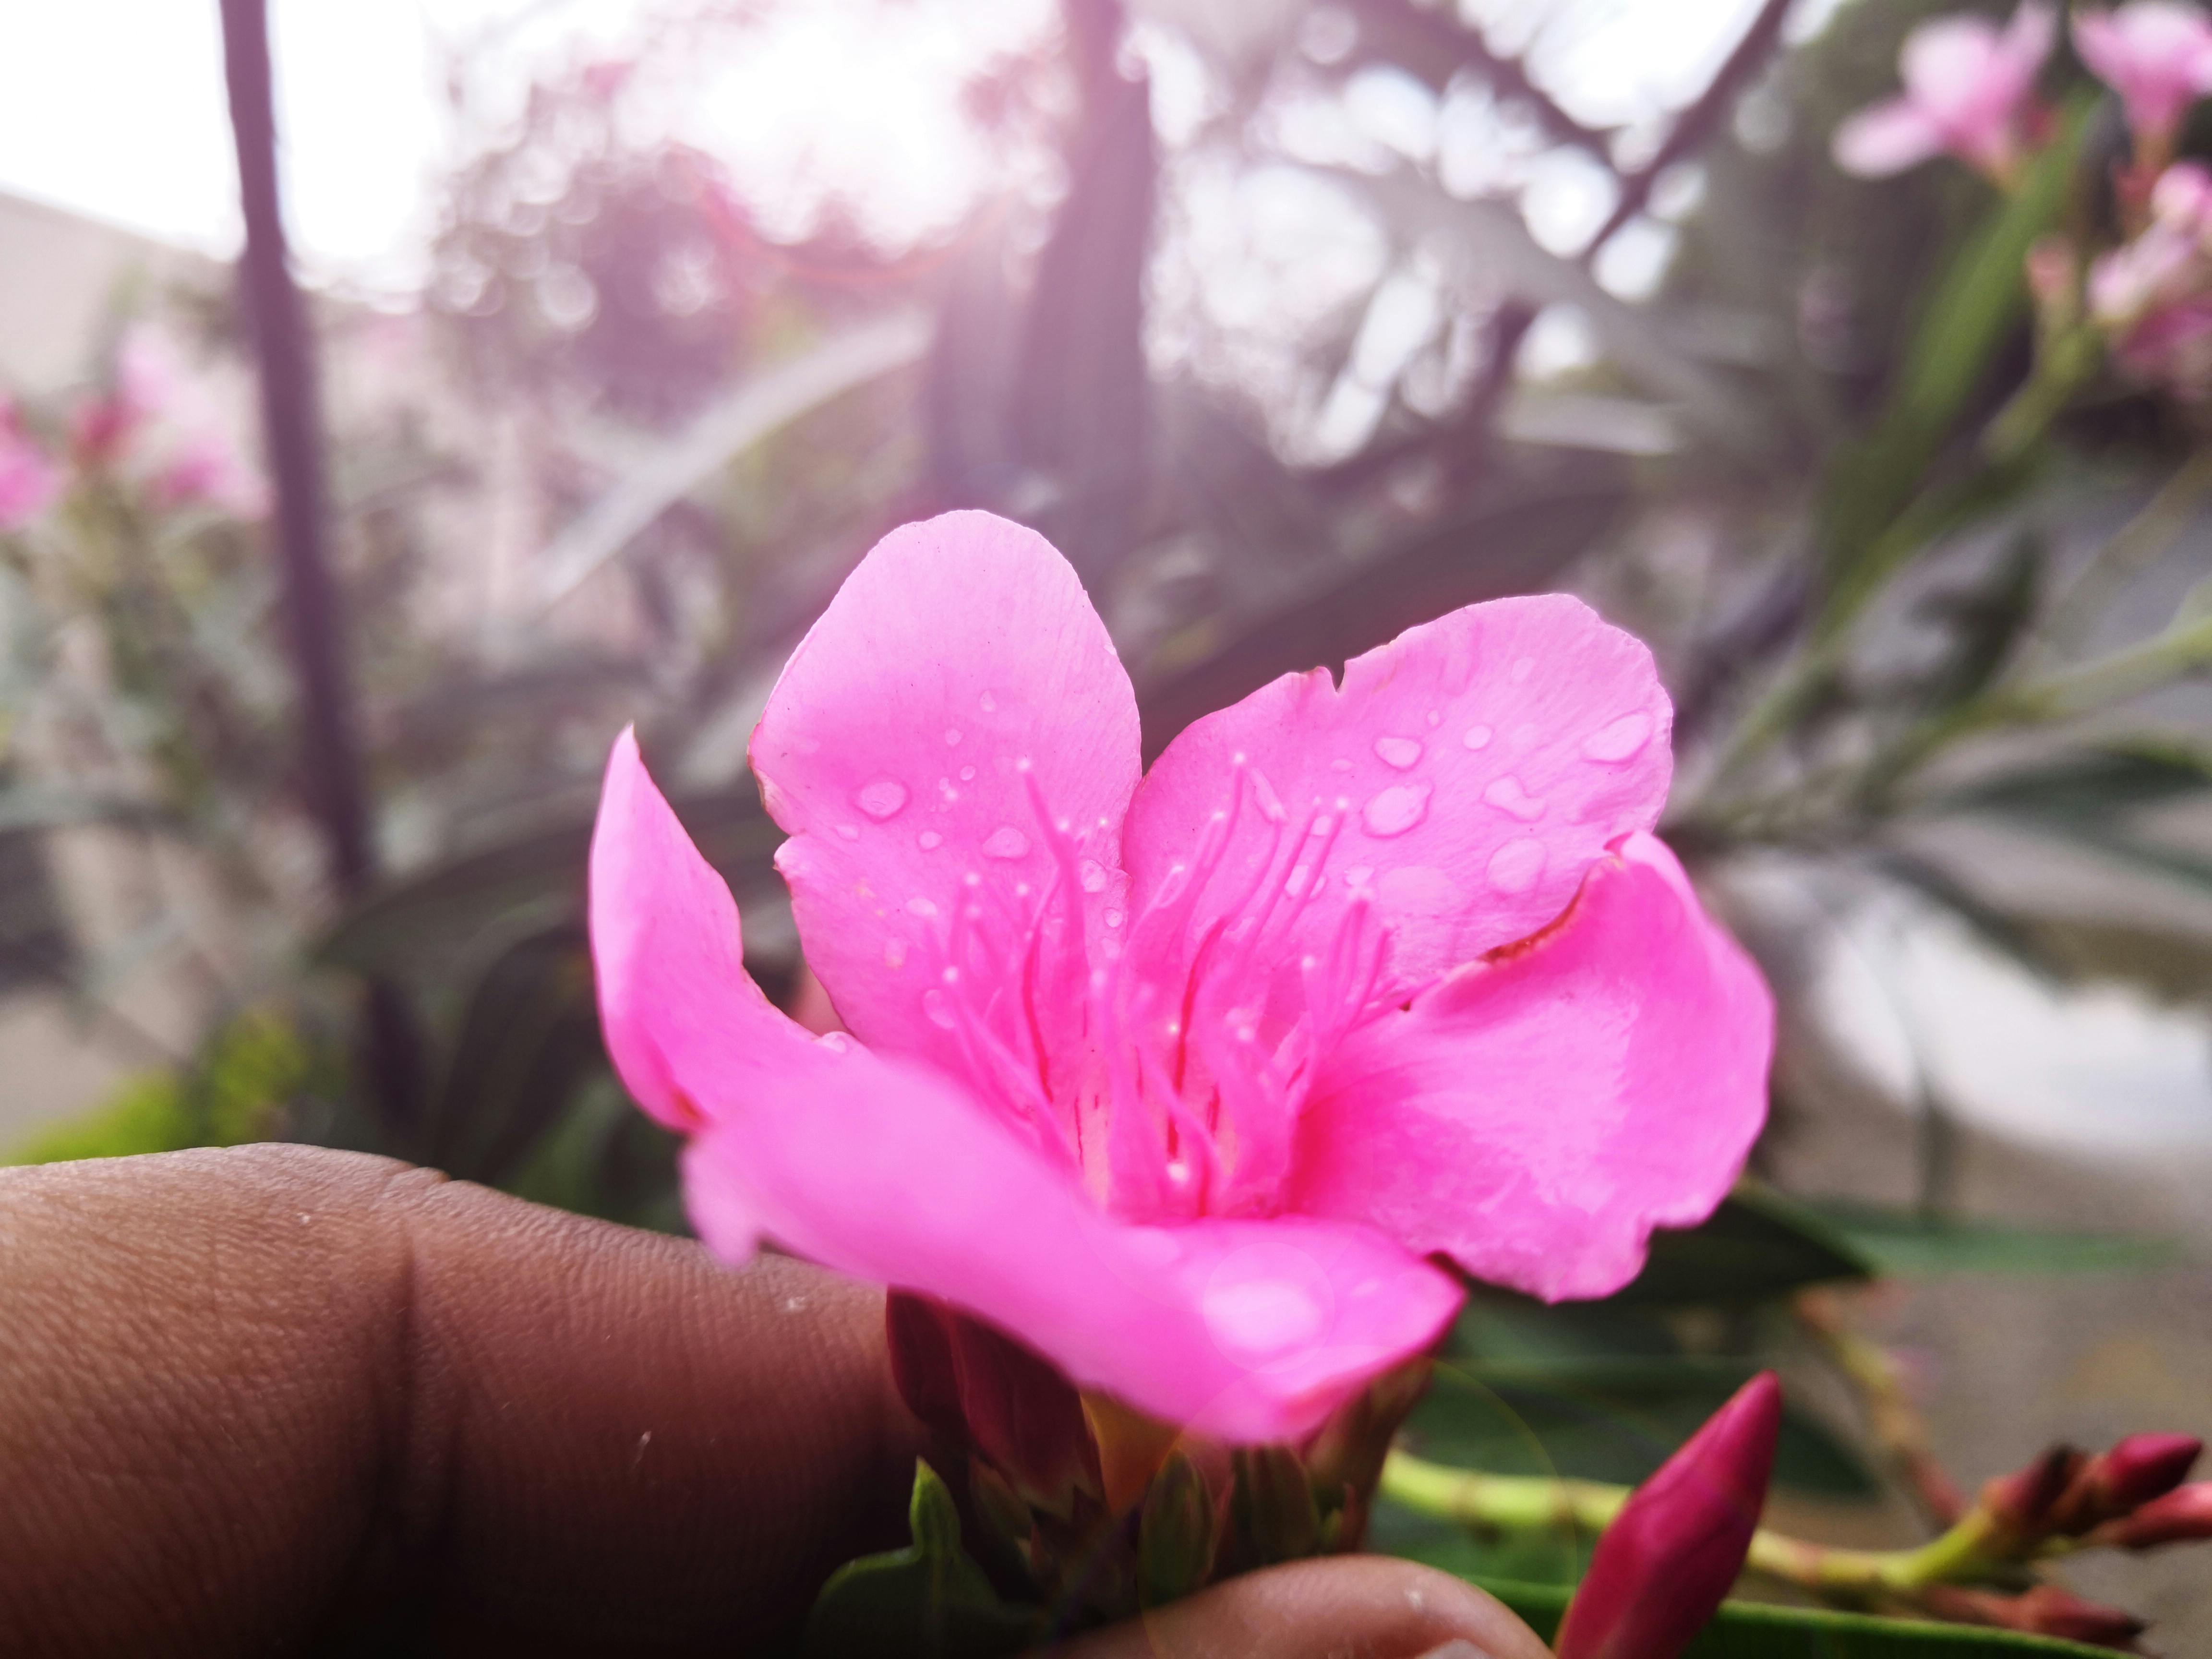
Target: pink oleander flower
{"x": 28, "y": 481}
{"x": 2156, "y": 54}
{"x": 1179, "y": 1080}
{"x": 159, "y": 424}
{"x": 1671, "y": 1555}
{"x": 1969, "y": 91}
{"x": 2152, "y": 295}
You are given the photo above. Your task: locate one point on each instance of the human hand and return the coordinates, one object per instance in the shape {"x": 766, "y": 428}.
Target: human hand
{"x": 278, "y": 1400}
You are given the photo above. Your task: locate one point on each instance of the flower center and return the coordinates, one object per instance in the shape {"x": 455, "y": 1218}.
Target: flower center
{"x": 1167, "y": 1060}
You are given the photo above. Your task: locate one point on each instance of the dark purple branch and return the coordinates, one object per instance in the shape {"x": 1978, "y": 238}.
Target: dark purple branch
{"x": 330, "y": 759}
{"x": 1698, "y": 124}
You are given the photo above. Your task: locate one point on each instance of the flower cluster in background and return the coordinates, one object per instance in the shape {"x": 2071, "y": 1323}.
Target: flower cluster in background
{"x": 153, "y": 428}
{"x": 1969, "y": 92}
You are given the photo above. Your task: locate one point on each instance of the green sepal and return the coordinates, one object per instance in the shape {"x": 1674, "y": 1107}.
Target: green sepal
{"x": 929, "y": 1601}
{"x": 1277, "y": 1519}
{"x": 1175, "y": 1534}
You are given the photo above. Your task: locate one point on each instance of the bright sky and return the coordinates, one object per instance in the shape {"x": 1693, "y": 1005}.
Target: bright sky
{"x": 117, "y": 107}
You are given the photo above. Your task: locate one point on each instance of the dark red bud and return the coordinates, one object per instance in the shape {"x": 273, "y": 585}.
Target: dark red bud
{"x": 2182, "y": 1515}
{"x": 1676, "y": 1547}
{"x": 987, "y": 1392}
{"x": 2143, "y": 1466}
{"x": 2046, "y": 1610}
{"x": 2023, "y": 1502}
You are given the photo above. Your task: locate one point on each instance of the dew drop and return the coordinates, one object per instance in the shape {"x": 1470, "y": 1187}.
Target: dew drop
{"x": 882, "y": 798}
{"x": 1522, "y": 668}
{"x": 1395, "y": 810}
{"x": 939, "y": 1007}
{"x": 1507, "y": 795}
{"x": 1005, "y": 843}
{"x": 1358, "y": 876}
{"x": 1113, "y": 918}
{"x": 987, "y": 703}
{"x": 1434, "y": 718}
{"x": 951, "y": 737}
{"x": 1400, "y": 752}
{"x": 945, "y": 789}
{"x": 966, "y": 775}
{"x": 849, "y": 832}
{"x": 1514, "y": 866}
{"x": 1092, "y": 874}
{"x": 1295, "y": 883}
{"x": 920, "y": 907}
{"x": 894, "y": 953}
{"x": 837, "y": 1042}
{"x": 930, "y": 840}
{"x": 1477, "y": 736}
{"x": 1623, "y": 740}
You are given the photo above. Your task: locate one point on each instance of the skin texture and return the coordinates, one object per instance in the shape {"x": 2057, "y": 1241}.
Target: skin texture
{"x": 278, "y": 1400}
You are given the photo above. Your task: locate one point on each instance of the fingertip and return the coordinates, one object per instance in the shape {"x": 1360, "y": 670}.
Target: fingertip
{"x": 1371, "y": 1605}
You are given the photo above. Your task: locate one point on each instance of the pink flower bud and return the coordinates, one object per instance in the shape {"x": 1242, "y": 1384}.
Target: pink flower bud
{"x": 2182, "y": 1515}
{"x": 2023, "y": 1502}
{"x": 2143, "y": 1466}
{"x": 1679, "y": 1542}
{"x": 1969, "y": 91}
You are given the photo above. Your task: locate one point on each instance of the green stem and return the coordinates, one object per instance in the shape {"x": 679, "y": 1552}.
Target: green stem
{"x": 1970, "y": 1552}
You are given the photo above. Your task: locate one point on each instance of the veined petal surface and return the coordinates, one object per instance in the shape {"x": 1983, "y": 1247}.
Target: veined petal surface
{"x": 1536, "y": 1114}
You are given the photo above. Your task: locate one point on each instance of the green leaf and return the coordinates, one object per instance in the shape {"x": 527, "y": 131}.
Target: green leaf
{"x": 1743, "y": 1630}
{"x": 2088, "y": 787}
{"x": 929, "y": 1601}
{"x": 1979, "y": 301}
{"x": 1903, "y": 1245}
{"x": 1757, "y": 1245}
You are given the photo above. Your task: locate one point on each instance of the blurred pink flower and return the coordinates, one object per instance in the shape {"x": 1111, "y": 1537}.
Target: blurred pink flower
{"x": 2152, "y": 296}
{"x": 28, "y": 481}
{"x": 159, "y": 424}
{"x": 1969, "y": 91}
{"x": 2156, "y": 54}
{"x": 203, "y": 470}
{"x": 1178, "y": 1081}
{"x": 1669, "y": 1557}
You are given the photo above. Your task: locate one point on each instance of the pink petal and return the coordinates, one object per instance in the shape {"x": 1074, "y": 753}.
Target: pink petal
{"x": 1886, "y": 138}
{"x": 959, "y": 679}
{"x": 667, "y": 953}
{"x": 888, "y": 1170}
{"x": 1536, "y": 1114}
{"x": 1468, "y": 773}
{"x": 1947, "y": 61}
{"x": 2151, "y": 53}
{"x": 1243, "y": 1330}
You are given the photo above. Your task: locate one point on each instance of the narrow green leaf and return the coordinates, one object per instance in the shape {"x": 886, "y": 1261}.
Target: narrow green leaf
{"x": 1744, "y": 1629}
{"x": 1907, "y": 1246}
{"x": 1759, "y": 1245}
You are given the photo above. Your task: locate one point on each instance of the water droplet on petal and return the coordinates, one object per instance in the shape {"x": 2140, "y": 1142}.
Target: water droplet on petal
{"x": 1005, "y": 843}
{"x": 966, "y": 775}
{"x": 989, "y": 703}
{"x": 930, "y": 840}
{"x": 849, "y": 832}
{"x": 1395, "y": 810}
{"x": 1514, "y": 866}
{"x": 1507, "y": 795}
{"x": 1477, "y": 736}
{"x": 882, "y": 798}
{"x": 1435, "y": 717}
{"x": 1400, "y": 752}
{"x": 1522, "y": 668}
{"x": 837, "y": 1042}
{"x": 945, "y": 789}
{"x": 920, "y": 907}
{"x": 951, "y": 737}
{"x": 1113, "y": 918}
{"x": 1092, "y": 874}
{"x": 1295, "y": 883}
{"x": 1271, "y": 803}
{"x": 939, "y": 1007}
{"x": 895, "y": 953}
{"x": 1623, "y": 740}
{"x": 1359, "y": 875}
